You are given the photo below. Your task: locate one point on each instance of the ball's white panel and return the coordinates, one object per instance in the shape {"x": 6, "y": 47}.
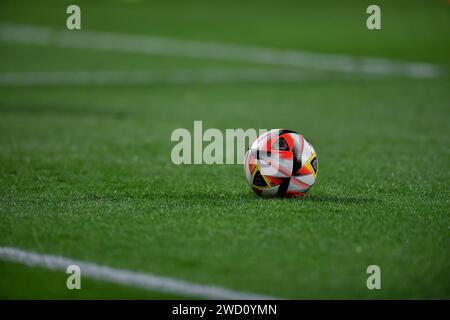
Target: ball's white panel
{"x": 261, "y": 143}
{"x": 311, "y": 148}
{"x": 307, "y": 151}
{"x": 276, "y": 167}
{"x": 248, "y": 174}
{"x": 308, "y": 179}
{"x": 294, "y": 186}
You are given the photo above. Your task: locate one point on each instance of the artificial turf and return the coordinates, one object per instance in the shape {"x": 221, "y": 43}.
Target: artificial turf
{"x": 85, "y": 171}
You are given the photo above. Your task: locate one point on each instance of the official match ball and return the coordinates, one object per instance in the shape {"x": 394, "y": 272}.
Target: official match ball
{"x": 281, "y": 163}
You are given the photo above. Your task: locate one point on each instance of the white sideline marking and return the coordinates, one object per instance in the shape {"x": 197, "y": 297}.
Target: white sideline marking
{"x": 208, "y": 50}
{"x": 204, "y": 76}
{"x": 136, "y": 279}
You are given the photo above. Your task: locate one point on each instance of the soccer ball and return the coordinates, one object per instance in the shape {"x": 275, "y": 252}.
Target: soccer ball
{"x": 281, "y": 163}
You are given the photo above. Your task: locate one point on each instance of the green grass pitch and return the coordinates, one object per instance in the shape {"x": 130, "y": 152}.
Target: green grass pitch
{"x": 85, "y": 171}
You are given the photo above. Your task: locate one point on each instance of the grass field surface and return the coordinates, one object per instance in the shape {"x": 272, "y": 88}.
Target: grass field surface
{"x": 85, "y": 170}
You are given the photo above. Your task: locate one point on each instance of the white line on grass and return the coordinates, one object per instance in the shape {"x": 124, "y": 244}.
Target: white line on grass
{"x": 208, "y": 50}
{"x": 204, "y": 76}
{"x": 141, "y": 280}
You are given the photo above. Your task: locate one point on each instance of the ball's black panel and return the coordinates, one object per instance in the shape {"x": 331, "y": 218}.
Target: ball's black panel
{"x": 296, "y": 165}
{"x": 283, "y": 131}
{"x": 281, "y": 145}
{"x": 282, "y": 190}
{"x": 314, "y": 164}
{"x": 258, "y": 180}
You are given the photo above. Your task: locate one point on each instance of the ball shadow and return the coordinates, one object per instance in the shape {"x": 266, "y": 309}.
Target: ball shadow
{"x": 335, "y": 199}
